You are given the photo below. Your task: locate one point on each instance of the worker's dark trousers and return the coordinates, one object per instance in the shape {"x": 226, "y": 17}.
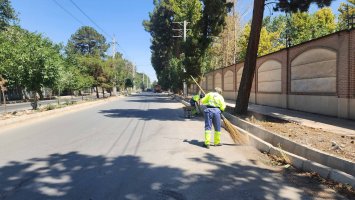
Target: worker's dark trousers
{"x": 212, "y": 116}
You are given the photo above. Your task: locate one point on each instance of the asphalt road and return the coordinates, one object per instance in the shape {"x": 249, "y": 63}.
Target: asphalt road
{"x": 137, "y": 147}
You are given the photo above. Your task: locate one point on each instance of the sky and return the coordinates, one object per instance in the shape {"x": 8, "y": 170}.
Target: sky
{"x": 59, "y": 19}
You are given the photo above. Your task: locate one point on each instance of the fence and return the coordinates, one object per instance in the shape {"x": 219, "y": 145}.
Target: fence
{"x": 317, "y": 76}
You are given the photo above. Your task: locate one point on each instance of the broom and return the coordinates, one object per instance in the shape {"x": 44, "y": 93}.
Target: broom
{"x": 236, "y": 136}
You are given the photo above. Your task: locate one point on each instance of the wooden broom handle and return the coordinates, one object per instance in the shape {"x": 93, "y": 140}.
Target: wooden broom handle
{"x": 198, "y": 85}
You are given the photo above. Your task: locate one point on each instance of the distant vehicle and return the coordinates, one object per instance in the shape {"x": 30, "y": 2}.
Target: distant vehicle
{"x": 149, "y": 90}
{"x": 157, "y": 89}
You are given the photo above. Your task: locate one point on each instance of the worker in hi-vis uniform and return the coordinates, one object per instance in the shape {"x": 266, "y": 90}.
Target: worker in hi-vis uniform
{"x": 194, "y": 102}
{"x": 215, "y": 104}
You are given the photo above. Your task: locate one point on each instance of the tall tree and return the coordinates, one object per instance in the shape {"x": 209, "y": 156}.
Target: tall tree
{"x": 269, "y": 41}
{"x": 7, "y": 14}
{"x": 87, "y": 41}
{"x": 345, "y": 11}
{"x": 170, "y": 56}
{"x": 95, "y": 68}
{"x": 305, "y": 26}
{"x": 252, "y": 49}
{"x": 29, "y": 60}
{"x": 160, "y": 27}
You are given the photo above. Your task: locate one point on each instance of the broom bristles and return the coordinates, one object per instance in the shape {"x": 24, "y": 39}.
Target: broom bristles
{"x": 236, "y": 136}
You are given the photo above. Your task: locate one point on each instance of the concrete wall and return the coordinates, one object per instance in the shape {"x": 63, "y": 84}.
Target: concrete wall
{"x": 276, "y": 100}
{"x": 269, "y": 76}
{"x": 210, "y": 82}
{"x": 326, "y": 105}
{"x": 218, "y": 80}
{"x": 317, "y": 76}
{"x": 314, "y": 71}
{"x": 228, "y": 81}
{"x": 352, "y": 108}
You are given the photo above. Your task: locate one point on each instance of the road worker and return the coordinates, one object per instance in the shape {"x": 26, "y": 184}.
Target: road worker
{"x": 194, "y": 102}
{"x": 215, "y": 104}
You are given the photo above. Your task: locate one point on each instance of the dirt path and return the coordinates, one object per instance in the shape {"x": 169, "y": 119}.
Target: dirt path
{"x": 339, "y": 145}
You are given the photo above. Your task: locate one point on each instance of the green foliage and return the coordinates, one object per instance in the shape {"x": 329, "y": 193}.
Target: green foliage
{"x": 50, "y": 107}
{"x": 87, "y": 41}
{"x": 73, "y": 77}
{"x": 206, "y": 18}
{"x": 141, "y": 80}
{"x": 121, "y": 69}
{"x": 128, "y": 83}
{"x": 160, "y": 27}
{"x": 299, "y": 5}
{"x": 269, "y": 41}
{"x": 305, "y": 26}
{"x": 345, "y": 10}
{"x": 301, "y": 27}
{"x": 28, "y": 59}
{"x": 213, "y": 20}
{"x": 7, "y": 14}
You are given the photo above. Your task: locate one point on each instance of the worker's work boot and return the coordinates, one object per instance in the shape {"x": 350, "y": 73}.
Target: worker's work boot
{"x": 217, "y": 138}
{"x": 207, "y": 139}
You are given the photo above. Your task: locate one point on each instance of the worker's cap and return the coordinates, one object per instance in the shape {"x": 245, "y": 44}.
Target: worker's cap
{"x": 219, "y": 90}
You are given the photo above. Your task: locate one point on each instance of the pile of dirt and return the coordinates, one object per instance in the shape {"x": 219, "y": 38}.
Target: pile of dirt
{"x": 338, "y": 145}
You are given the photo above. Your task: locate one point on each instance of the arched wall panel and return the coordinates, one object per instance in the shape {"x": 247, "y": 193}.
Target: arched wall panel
{"x": 314, "y": 71}
{"x": 269, "y": 76}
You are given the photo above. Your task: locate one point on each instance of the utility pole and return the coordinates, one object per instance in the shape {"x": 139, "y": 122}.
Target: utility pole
{"x": 134, "y": 75}
{"x": 184, "y": 35}
{"x": 182, "y": 32}
{"x": 143, "y": 81}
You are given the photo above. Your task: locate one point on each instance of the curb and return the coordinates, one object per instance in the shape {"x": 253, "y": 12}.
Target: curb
{"x": 300, "y": 156}
{"x": 51, "y": 113}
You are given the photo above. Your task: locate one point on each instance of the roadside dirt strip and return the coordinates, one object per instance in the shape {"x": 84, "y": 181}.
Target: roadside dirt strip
{"x": 27, "y": 118}
{"x": 300, "y": 156}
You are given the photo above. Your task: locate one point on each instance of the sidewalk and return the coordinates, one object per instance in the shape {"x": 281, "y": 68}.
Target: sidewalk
{"x": 327, "y": 123}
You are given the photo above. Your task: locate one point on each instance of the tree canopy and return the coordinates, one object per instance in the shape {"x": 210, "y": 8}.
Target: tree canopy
{"x": 7, "y": 14}
{"x": 28, "y": 59}
{"x": 87, "y": 41}
{"x": 172, "y": 58}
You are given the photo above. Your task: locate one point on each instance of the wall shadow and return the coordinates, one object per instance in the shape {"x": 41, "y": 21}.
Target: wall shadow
{"x": 79, "y": 176}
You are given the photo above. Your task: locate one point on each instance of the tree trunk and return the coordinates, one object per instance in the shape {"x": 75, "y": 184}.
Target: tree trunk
{"x": 40, "y": 93}
{"x": 97, "y": 92}
{"x": 250, "y": 60}
{"x": 4, "y": 99}
{"x": 103, "y": 93}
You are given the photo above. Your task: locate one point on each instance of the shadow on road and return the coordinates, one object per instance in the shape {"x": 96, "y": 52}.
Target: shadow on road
{"x": 161, "y": 114}
{"x": 151, "y": 114}
{"x": 78, "y": 176}
{"x": 200, "y": 143}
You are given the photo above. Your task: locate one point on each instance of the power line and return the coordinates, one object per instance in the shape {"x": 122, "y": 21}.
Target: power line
{"x": 91, "y": 20}
{"x": 87, "y": 16}
{"x": 69, "y": 13}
